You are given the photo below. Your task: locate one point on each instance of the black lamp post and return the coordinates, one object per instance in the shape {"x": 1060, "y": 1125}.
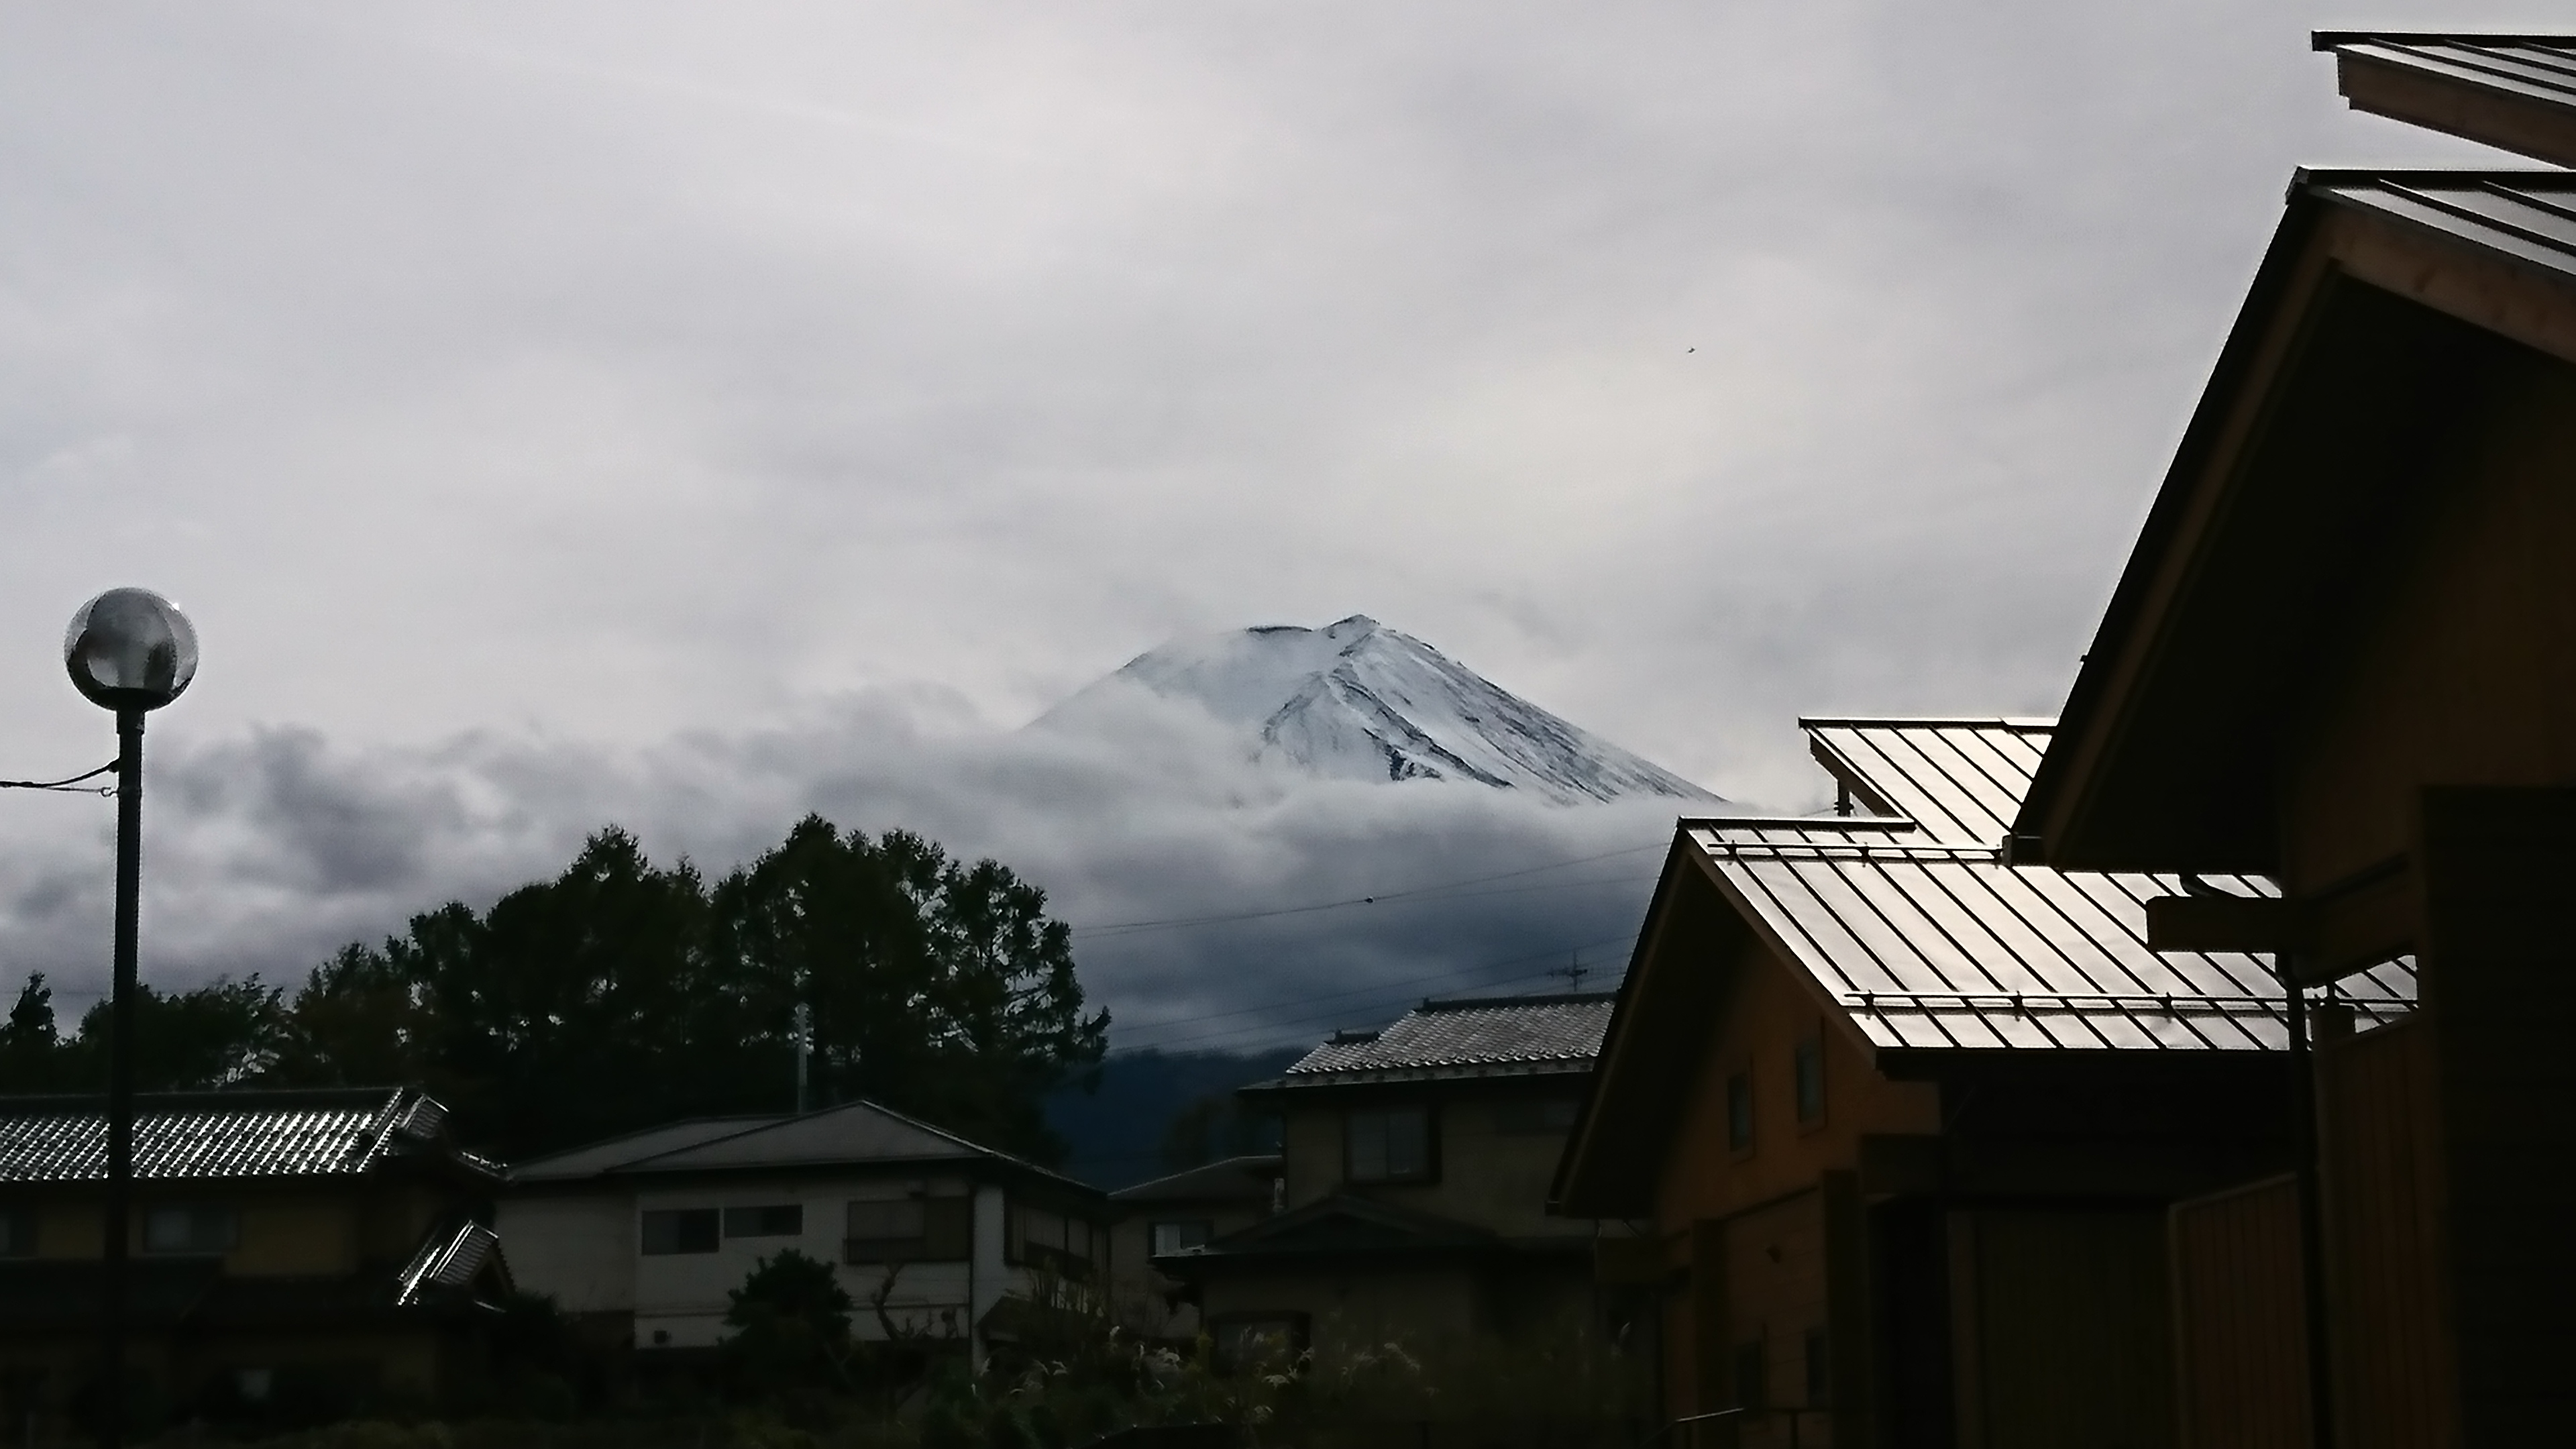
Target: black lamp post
{"x": 129, "y": 650}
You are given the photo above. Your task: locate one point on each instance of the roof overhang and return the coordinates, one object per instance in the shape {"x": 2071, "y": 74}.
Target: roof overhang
{"x": 2517, "y": 92}
{"x": 2386, "y": 306}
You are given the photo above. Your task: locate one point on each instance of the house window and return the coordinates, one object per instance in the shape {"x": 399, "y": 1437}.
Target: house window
{"x": 1390, "y": 1145}
{"x": 1180, "y": 1237}
{"x": 1052, "y": 1240}
{"x": 17, "y": 1233}
{"x": 909, "y": 1230}
{"x": 1807, "y": 1068}
{"x": 1535, "y": 1116}
{"x": 194, "y": 1228}
{"x": 1739, "y": 1112}
{"x": 679, "y": 1230}
{"x": 787, "y": 1220}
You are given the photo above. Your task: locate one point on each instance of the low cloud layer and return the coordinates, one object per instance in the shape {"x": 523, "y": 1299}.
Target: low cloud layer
{"x": 1213, "y": 895}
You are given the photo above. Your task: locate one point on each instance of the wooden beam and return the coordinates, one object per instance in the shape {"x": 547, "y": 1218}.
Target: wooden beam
{"x": 2256, "y": 924}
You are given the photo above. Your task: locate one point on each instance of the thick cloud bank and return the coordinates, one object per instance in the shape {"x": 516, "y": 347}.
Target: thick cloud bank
{"x": 1218, "y": 899}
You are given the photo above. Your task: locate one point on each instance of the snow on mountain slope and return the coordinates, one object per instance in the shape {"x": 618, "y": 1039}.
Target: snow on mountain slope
{"x": 1357, "y": 700}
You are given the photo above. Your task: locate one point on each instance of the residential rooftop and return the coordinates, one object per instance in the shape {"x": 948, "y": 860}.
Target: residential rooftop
{"x": 851, "y": 1134}
{"x": 1231, "y": 1179}
{"x": 1465, "y": 1037}
{"x": 230, "y": 1135}
{"x": 1913, "y": 924}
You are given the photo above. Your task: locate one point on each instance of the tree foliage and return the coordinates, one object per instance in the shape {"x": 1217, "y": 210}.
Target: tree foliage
{"x": 621, "y": 993}
{"x": 789, "y": 1322}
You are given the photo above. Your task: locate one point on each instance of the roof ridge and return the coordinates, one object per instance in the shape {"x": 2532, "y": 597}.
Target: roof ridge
{"x": 2019, "y": 723}
{"x": 781, "y": 1123}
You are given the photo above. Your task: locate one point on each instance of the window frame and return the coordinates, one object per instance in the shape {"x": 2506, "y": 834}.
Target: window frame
{"x": 1807, "y": 1067}
{"x": 1154, "y": 1235}
{"x": 1063, "y": 1259}
{"x": 680, "y": 1239}
{"x": 1427, "y": 1173}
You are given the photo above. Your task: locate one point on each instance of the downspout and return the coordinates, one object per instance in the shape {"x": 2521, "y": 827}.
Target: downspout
{"x": 2312, "y": 1246}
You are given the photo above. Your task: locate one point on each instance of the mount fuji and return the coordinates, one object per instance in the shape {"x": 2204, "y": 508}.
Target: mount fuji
{"x": 1357, "y": 700}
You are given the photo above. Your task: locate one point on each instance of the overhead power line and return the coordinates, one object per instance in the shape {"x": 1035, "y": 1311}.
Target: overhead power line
{"x": 71, "y": 785}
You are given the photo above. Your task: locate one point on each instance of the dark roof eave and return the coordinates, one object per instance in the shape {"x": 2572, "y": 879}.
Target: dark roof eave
{"x": 2031, "y": 841}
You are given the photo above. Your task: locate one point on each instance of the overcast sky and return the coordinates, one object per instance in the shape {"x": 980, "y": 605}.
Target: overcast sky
{"x": 692, "y": 414}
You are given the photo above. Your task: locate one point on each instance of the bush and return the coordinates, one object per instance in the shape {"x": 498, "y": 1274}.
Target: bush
{"x": 791, "y": 1326}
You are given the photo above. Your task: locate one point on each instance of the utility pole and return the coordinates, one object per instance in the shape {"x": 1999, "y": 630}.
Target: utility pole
{"x": 804, "y": 1053}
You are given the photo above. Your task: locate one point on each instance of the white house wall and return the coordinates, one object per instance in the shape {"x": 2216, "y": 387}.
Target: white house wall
{"x": 579, "y": 1250}
{"x": 584, "y": 1249}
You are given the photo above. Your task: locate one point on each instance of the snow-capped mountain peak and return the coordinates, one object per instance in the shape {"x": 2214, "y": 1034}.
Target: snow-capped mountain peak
{"x": 1358, "y": 700}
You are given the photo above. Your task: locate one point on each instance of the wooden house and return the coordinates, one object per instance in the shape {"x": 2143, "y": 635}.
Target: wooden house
{"x": 1414, "y": 1170}
{"x": 294, "y": 1254}
{"x": 644, "y": 1237}
{"x": 2343, "y": 657}
{"x": 1901, "y": 1123}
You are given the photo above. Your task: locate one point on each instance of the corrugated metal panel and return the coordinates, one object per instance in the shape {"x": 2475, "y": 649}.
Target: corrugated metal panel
{"x": 2527, "y": 217}
{"x": 1936, "y": 943}
{"x": 202, "y": 1135}
{"x": 1960, "y": 779}
{"x": 2538, "y": 68}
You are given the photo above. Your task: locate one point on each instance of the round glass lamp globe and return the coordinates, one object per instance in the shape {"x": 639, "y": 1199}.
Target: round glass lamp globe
{"x": 130, "y": 649}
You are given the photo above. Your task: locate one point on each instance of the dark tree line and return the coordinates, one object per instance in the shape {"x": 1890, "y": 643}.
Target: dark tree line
{"x": 621, "y": 993}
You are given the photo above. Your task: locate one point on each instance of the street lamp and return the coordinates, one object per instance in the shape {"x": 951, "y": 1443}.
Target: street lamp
{"x": 129, "y": 650}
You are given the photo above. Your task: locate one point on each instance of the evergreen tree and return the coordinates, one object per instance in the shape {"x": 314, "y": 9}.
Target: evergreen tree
{"x": 29, "y": 1043}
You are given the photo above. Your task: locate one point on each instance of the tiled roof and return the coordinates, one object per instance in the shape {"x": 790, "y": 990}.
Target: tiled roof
{"x": 1490, "y": 1036}
{"x": 182, "y": 1136}
{"x": 1917, "y": 929}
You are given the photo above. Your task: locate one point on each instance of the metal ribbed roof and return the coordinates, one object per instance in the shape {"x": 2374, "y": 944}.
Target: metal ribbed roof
{"x": 1485, "y": 1036}
{"x": 1928, "y": 940}
{"x": 203, "y": 1135}
{"x": 1957, "y": 779}
{"x": 2539, "y": 69}
{"x": 2524, "y": 217}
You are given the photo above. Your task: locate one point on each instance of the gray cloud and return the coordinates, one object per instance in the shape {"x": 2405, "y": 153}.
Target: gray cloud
{"x": 267, "y": 852}
{"x": 578, "y": 411}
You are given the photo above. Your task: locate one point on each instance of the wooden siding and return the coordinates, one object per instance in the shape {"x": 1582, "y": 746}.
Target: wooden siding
{"x": 2240, "y": 1319}
{"x": 2380, "y": 1141}
{"x": 2499, "y": 952}
{"x": 2064, "y": 1340}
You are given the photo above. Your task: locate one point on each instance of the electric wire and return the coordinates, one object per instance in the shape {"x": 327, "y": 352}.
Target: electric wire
{"x": 71, "y": 785}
